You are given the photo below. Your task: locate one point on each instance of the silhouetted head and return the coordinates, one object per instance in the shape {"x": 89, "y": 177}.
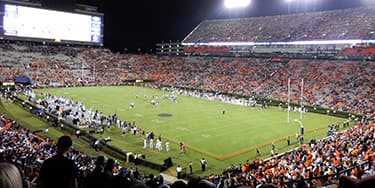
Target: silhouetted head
{"x": 206, "y": 184}
{"x": 64, "y": 143}
{"x": 100, "y": 161}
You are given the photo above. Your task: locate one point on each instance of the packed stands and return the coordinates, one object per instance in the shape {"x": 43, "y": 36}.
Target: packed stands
{"x": 370, "y": 50}
{"x": 45, "y": 65}
{"x": 300, "y": 167}
{"x": 345, "y": 85}
{"x": 28, "y": 151}
{"x": 341, "y": 85}
{"x": 337, "y": 84}
{"x": 206, "y": 49}
{"x": 348, "y": 153}
{"x": 355, "y": 23}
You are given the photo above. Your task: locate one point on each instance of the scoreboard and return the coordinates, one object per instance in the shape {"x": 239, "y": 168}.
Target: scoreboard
{"x": 23, "y": 22}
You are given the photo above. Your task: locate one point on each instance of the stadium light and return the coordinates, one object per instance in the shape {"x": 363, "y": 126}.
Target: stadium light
{"x": 236, "y": 3}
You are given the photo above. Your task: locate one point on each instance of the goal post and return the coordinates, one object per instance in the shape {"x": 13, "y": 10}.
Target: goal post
{"x": 301, "y": 101}
{"x": 301, "y": 106}
{"x": 288, "y": 115}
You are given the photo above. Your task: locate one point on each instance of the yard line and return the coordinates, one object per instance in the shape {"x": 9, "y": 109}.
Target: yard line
{"x": 157, "y": 121}
{"x": 211, "y": 129}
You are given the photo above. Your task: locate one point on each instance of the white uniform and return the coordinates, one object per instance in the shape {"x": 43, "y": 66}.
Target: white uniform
{"x": 167, "y": 146}
{"x": 151, "y": 143}
{"x": 157, "y": 146}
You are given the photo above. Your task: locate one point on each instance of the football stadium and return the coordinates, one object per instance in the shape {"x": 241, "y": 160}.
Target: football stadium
{"x": 284, "y": 100}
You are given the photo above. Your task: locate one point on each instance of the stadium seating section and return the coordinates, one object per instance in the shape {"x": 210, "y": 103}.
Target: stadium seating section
{"x": 333, "y": 25}
{"x": 359, "y": 51}
{"x": 342, "y": 152}
{"x": 340, "y": 85}
{"x": 344, "y": 85}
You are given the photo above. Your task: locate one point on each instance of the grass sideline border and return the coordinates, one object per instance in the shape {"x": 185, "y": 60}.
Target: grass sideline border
{"x": 240, "y": 152}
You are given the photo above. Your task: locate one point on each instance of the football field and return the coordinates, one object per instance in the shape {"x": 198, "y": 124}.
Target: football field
{"x": 224, "y": 139}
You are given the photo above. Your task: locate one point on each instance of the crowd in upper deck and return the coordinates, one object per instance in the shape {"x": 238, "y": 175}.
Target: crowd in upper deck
{"x": 354, "y": 23}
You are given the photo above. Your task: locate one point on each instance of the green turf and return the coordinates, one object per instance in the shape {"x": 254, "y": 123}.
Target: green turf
{"x": 197, "y": 122}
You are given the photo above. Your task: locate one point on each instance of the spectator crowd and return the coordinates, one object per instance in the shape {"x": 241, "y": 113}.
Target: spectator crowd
{"x": 301, "y": 167}
{"x": 336, "y": 84}
{"x": 346, "y": 24}
{"x": 28, "y": 151}
{"x": 344, "y": 151}
{"x": 341, "y": 85}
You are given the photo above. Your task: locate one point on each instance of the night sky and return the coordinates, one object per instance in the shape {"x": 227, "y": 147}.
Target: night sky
{"x": 142, "y": 23}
